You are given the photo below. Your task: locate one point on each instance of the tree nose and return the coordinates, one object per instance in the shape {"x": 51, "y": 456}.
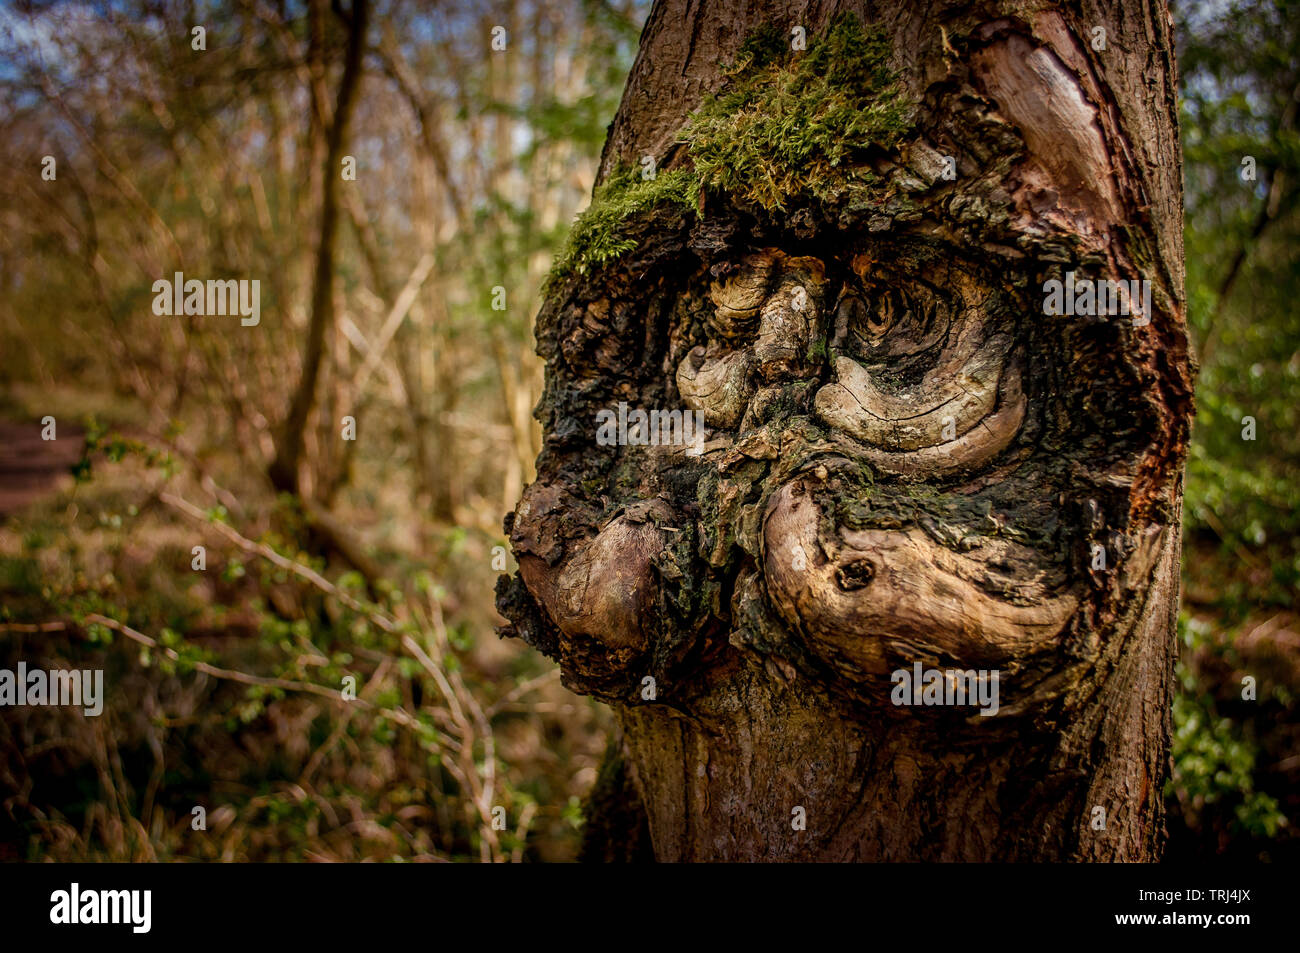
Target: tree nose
{"x": 788, "y": 322}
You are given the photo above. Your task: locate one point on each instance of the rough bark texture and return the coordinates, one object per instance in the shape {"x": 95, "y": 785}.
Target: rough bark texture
{"x": 906, "y": 460}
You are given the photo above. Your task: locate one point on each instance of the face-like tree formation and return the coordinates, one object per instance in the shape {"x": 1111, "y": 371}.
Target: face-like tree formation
{"x": 907, "y": 461}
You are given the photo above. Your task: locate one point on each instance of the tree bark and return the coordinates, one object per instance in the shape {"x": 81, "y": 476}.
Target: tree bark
{"x": 910, "y": 463}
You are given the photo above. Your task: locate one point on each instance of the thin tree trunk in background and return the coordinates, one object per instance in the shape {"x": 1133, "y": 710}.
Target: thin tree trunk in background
{"x": 284, "y": 470}
{"x": 404, "y": 354}
{"x": 909, "y": 461}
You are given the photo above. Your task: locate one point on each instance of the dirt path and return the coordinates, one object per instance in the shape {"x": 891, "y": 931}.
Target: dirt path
{"x": 30, "y": 467}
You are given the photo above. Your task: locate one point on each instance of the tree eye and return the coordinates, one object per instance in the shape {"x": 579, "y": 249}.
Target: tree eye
{"x": 738, "y": 298}
{"x": 886, "y": 323}
{"x": 883, "y": 312}
{"x": 850, "y": 313}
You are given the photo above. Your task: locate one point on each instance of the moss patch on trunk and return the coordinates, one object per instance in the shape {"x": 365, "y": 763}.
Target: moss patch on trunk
{"x": 789, "y": 123}
{"x": 789, "y": 126}
{"x": 600, "y": 235}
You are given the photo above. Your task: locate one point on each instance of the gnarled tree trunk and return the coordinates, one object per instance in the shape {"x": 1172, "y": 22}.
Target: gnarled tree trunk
{"x": 921, "y": 459}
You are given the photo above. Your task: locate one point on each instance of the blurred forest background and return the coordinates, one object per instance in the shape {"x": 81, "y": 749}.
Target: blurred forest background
{"x": 376, "y": 558}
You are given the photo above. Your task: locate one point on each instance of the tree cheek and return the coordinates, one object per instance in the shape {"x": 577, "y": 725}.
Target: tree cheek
{"x": 867, "y": 601}
{"x": 601, "y": 595}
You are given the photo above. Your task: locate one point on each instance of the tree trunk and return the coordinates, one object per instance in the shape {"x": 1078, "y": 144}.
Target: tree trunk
{"x": 922, "y": 460}
{"x": 284, "y": 469}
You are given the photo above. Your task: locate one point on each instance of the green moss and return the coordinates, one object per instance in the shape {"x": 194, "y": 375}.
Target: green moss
{"x": 791, "y": 123}
{"x": 600, "y": 235}
{"x": 788, "y": 125}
